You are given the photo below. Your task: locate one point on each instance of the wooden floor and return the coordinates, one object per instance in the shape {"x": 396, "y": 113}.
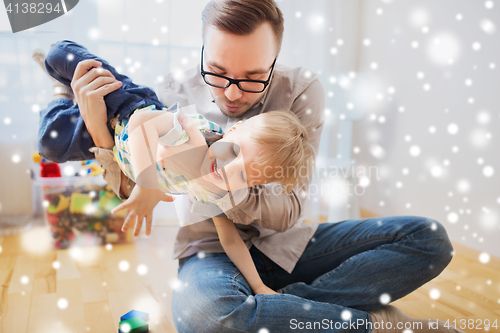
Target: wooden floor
{"x": 97, "y": 291}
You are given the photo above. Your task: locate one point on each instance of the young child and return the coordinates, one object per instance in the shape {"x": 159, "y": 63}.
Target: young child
{"x": 186, "y": 164}
{"x": 166, "y": 152}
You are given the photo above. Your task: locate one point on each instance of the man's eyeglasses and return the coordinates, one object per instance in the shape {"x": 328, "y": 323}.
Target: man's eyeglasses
{"x": 219, "y": 81}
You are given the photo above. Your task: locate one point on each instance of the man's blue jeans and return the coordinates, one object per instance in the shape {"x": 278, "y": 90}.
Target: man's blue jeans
{"x": 343, "y": 272}
{"x": 62, "y": 135}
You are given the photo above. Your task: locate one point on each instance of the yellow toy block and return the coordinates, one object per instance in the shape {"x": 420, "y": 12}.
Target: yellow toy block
{"x": 37, "y": 158}
{"x": 62, "y": 204}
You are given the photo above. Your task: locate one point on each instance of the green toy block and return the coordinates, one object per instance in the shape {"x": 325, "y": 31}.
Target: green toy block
{"x": 106, "y": 203}
{"x": 51, "y": 209}
{"x": 133, "y": 325}
{"x": 115, "y": 201}
{"x": 78, "y": 202}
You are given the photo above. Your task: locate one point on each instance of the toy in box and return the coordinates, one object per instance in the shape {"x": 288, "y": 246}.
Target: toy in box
{"x": 78, "y": 211}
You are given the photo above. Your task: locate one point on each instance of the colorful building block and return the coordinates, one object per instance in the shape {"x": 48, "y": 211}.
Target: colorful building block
{"x": 58, "y": 204}
{"x": 79, "y": 201}
{"x": 133, "y": 325}
{"x": 134, "y": 322}
{"x": 134, "y": 313}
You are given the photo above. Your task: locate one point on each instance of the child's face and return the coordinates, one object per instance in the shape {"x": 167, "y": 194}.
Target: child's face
{"x": 229, "y": 161}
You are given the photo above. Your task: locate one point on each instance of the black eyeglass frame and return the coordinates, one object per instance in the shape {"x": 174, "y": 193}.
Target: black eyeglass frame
{"x": 233, "y": 81}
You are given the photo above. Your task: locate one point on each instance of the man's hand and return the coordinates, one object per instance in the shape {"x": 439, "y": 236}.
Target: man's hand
{"x": 90, "y": 84}
{"x": 140, "y": 205}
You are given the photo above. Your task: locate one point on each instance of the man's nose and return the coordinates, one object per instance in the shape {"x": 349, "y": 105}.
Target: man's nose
{"x": 233, "y": 92}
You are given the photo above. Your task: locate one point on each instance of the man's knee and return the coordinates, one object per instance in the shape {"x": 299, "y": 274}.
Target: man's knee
{"x": 437, "y": 244}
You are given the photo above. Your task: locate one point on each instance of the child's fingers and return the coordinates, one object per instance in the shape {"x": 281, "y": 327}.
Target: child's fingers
{"x": 167, "y": 198}
{"x": 138, "y": 225}
{"x": 120, "y": 207}
{"x": 149, "y": 222}
{"x": 129, "y": 221}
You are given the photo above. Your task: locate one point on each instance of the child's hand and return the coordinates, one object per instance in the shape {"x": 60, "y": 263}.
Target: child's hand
{"x": 140, "y": 205}
{"x": 263, "y": 289}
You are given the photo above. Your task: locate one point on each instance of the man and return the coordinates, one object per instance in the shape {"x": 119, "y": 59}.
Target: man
{"x": 328, "y": 276}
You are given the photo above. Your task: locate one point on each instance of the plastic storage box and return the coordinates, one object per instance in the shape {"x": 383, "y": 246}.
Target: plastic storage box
{"x": 77, "y": 212}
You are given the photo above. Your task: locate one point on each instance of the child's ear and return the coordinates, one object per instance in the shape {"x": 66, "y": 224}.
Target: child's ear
{"x": 234, "y": 127}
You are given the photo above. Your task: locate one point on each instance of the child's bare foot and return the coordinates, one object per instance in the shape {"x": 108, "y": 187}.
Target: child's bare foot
{"x": 391, "y": 314}
{"x": 60, "y": 90}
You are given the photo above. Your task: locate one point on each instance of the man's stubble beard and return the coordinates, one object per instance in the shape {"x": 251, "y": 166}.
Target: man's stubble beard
{"x": 243, "y": 108}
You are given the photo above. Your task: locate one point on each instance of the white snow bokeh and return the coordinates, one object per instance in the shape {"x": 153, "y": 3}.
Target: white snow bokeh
{"x": 434, "y": 293}
{"x": 124, "y": 265}
{"x": 443, "y": 46}
{"x": 488, "y": 220}
{"x": 316, "y": 22}
{"x": 487, "y": 26}
{"x": 419, "y": 17}
{"x": 62, "y": 303}
{"x": 385, "y": 299}
{"x": 484, "y": 258}
{"x": 24, "y": 279}
{"x": 142, "y": 269}
{"x": 346, "y": 315}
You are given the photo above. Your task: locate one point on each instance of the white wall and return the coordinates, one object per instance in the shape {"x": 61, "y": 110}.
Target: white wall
{"x": 448, "y": 180}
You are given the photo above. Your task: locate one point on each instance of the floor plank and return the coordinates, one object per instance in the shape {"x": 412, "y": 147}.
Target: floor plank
{"x": 23, "y": 274}
{"x": 42, "y": 313}
{"x": 45, "y": 274}
{"x": 15, "y": 314}
{"x": 98, "y": 317}
{"x": 69, "y": 313}
{"x": 68, "y": 269}
{"x": 92, "y": 288}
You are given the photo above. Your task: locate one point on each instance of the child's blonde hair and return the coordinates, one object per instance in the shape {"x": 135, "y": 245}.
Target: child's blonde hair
{"x": 288, "y": 151}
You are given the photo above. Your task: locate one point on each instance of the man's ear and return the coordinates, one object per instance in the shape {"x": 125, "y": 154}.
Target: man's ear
{"x": 234, "y": 127}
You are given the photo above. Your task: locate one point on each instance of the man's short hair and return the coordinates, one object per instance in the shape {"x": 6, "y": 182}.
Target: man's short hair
{"x": 242, "y": 17}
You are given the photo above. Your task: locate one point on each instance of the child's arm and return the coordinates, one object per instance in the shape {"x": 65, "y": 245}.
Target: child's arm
{"x": 145, "y": 128}
{"x": 237, "y": 251}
